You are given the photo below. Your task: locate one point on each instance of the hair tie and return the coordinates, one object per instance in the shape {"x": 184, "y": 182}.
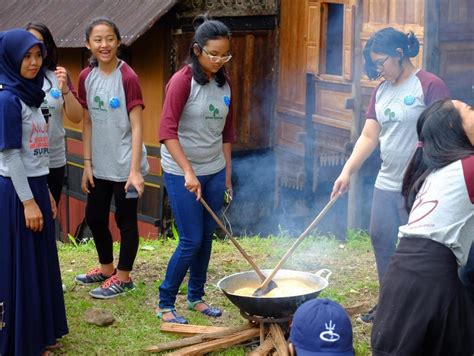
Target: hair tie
{"x": 419, "y": 144}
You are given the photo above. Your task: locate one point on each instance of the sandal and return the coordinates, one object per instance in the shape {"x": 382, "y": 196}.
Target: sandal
{"x": 177, "y": 319}
{"x": 209, "y": 311}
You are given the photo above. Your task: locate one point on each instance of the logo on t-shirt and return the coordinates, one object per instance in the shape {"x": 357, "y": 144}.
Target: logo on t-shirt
{"x": 215, "y": 113}
{"x": 38, "y": 141}
{"x": 98, "y": 104}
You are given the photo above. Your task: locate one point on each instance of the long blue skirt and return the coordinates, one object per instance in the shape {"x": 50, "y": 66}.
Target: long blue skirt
{"x": 34, "y": 314}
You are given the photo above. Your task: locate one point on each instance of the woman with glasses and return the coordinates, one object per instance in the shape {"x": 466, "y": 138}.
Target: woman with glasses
{"x": 393, "y": 110}
{"x": 196, "y": 132}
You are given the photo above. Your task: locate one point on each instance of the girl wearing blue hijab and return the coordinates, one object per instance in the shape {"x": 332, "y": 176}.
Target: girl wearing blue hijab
{"x": 32, "y": 312}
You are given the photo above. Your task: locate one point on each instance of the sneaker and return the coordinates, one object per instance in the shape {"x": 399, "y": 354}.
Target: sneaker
{"x": 93, "y": 276}
{"x": 368, "y": 318}
{"x": 111, "y": 288}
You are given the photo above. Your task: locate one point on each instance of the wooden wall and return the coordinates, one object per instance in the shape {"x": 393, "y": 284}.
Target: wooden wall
{"x": 303, "y": 43}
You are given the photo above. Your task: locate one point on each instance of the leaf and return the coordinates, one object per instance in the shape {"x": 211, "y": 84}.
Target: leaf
{"x": 147, "y": 248}
{"x": 211, "y": 108}
{"x": 72, "y": 239}
{"x": 174, "y": 231}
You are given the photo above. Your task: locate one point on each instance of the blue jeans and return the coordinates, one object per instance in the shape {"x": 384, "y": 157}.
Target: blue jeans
{"x": 388, "y": 214}
{"x": 466, "y": 273}
{"x": 195, "y": 227}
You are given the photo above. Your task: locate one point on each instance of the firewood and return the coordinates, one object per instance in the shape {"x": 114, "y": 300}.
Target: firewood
{"x": 214, "y": 345}
{"x": 279, "y": 339}
{"x": 198, "y": 338}
{"x": 188, "y": 329}
{"x": 265, "y": 348}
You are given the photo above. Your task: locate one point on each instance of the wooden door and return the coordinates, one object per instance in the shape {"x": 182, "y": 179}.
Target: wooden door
{"x": 450, "y": 32}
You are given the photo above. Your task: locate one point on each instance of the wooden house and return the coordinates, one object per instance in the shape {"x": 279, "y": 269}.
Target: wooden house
{"x": 322, "y": 93}
{"x": 299, "y": 90}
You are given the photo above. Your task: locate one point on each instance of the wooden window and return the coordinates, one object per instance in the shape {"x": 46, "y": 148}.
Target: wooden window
{"x": 332, "y": 38}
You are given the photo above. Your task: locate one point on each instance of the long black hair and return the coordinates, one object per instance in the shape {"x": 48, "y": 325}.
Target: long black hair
{"x": 387, "y": 41}
{"x": 50, "y": 62}
{"x": 444, "y": 141}
{"x": 101, "y": 21}
{"x": 206, "y": 29}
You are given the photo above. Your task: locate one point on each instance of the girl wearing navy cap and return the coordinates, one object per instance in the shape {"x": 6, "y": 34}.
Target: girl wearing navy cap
{"x": 32, "y": 312}
{"x": 424, "y": 309}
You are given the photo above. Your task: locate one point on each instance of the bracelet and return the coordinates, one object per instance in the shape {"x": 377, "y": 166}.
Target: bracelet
{"x": 66, "y": 92}
{"x": 87, "y": 159}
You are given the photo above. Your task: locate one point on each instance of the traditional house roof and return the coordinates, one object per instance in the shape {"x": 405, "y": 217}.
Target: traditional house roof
{"x": 67, "y": 19}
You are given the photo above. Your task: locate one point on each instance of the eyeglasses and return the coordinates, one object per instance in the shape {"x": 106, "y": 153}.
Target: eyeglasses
{"x": 217, "y": 59}
{"x": 380, "y": 63}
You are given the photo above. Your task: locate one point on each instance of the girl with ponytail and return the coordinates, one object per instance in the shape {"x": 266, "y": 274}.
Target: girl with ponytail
{"x": 394, "y": 107}
{"x": 196, "y": 133}
{"x": 423, "y": 308}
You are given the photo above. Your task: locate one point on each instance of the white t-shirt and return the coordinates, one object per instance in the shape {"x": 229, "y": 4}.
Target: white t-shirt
{"x": 444, "y": 209}
{"x": 54, "y": 101}
{"x": 397, "y": 108}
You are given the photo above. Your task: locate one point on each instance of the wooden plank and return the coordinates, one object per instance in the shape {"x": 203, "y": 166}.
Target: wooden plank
{"x": 264, "y": 349}
{"x": 279, "y": 339}
{"x": 202, "y": 338}
{"x": 189, "y": 329}
{"x": 214, "y": 345}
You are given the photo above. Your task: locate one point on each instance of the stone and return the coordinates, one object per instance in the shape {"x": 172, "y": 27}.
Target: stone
{"x": 98, "y": 316}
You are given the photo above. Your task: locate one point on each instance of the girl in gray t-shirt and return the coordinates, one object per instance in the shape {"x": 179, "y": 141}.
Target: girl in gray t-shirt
{"x": 114, "y": 157}
{"x": 391, "y": 116}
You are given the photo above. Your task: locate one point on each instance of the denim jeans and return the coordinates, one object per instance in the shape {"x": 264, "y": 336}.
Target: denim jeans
{"x": 195, "y": 228}
{"x": 466, "y": 273}
{"x": 388, "y": 214}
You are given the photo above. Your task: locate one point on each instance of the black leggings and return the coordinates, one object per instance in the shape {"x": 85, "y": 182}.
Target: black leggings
{"x": 56, "y": 182}
{"x": 97, "y": 217}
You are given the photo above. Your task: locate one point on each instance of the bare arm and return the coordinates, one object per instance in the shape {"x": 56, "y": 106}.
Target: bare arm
{"x": 227, "y": 149}
{"x": 87, "y": 179}
{"x": 190, "y": 180}
{"x": 135, "y": 177}
{"x": 365, "y": 145}
{"x": 72, "y": 107}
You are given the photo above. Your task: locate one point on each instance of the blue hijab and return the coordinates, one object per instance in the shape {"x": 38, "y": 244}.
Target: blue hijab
{"x": 14, "y": 44}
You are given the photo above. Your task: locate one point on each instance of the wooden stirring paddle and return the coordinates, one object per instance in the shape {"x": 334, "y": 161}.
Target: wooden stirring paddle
{"x": 264, "y": 288}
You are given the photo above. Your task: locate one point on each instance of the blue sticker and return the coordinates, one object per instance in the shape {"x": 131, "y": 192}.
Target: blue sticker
{"x": 114, "y": 102}
{"x": 409, "y": 100}
{"x": 226, "y": 100}
{"x": 55, "y": 93}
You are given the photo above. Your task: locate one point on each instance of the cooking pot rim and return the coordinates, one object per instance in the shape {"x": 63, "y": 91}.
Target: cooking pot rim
{"x": 318, "y": 274}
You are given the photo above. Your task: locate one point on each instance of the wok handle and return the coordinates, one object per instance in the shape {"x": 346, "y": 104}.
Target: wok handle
{"x": 322, "y": 271}
{"x": 300, "y": 239}
{"x": 234, "y": 241}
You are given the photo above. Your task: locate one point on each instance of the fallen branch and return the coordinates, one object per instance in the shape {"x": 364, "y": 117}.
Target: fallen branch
{"x": 198, "y": 338}
{"x": 279, "y": 339}
{"x": 188, "y": 329}
{"x": 214, "y": 345}
{"x": 264, "y": 349}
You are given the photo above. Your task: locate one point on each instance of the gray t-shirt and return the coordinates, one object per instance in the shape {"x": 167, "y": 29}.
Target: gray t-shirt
{"x": 204, "y": 116}
{"x": 109, "y": 99}
{"x": 54, "y": 101}
{"x": 34, "y": 140}
{"x": 397, "y": 108}
{"x": 444, "y": 209}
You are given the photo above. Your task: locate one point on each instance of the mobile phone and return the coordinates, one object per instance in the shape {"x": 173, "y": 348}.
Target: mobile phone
{"x": 132, "y": 193}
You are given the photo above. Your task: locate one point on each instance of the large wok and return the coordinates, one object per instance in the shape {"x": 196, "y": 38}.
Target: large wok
{"x": 272, "y": 307}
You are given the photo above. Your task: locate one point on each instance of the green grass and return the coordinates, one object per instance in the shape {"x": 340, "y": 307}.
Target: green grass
{"x": 353, "y": 283}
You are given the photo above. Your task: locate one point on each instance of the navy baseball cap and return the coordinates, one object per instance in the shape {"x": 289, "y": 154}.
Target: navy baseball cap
{"x": 321, "y": 327}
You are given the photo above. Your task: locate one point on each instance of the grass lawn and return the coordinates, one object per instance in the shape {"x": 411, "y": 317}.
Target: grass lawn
{"x": 353, "y": 283}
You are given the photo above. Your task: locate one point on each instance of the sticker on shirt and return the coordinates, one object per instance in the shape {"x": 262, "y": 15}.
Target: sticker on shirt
{"x": 214, "y": 114}
{"x": 38, "y": 140}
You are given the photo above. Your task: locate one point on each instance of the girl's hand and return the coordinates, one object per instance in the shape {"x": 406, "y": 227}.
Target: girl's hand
{"x": 87, "y": 178}
{"x": 341, "y": 185}
{"x": 33, "y": 215}
{"x": 192, "y": 184}
{"x": 62, "y": 76}
{"x": 136, "y": 179}
{"x": 54, "y": 207}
